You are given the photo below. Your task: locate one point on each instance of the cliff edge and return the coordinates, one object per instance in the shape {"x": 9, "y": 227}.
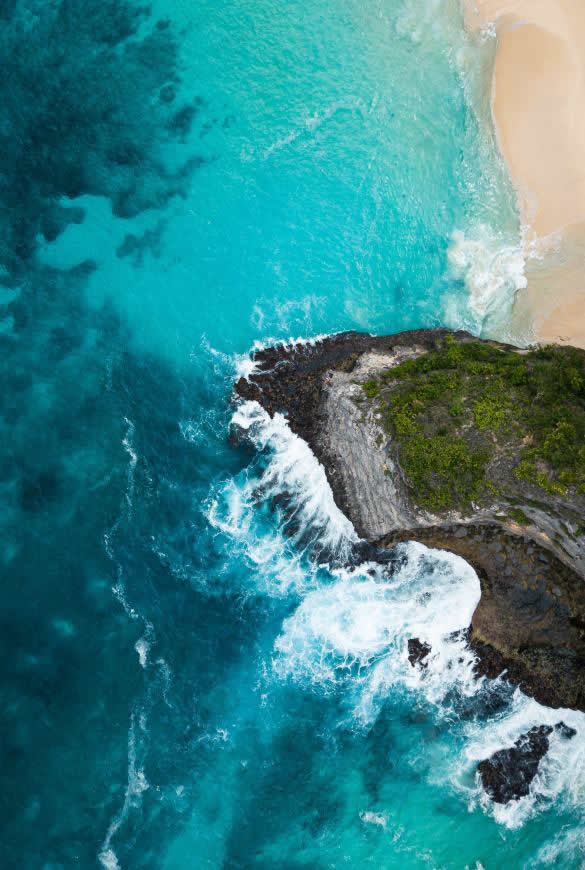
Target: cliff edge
{"x": 466, "y": 445}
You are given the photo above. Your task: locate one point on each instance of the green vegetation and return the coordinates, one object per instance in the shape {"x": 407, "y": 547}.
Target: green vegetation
{"x": 456, "y": 409}
{"x": 371, "y": 389}
{"x": 443, "y": 470}
{"x": 518, "y": 516}
{"x": 489, "y": 413}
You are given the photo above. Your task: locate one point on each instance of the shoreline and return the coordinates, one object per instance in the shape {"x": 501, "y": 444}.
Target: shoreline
{"x": 537, "y": 99}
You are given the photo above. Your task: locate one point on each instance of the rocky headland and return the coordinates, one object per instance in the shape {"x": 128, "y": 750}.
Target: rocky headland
{"x": 470, "y": 446}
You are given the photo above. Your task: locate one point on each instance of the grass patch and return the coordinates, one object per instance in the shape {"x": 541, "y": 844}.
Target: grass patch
{"x": 490, "y": 412}
{"x": 371, "y": 389}
{"x": 443, "y": 470}
{"x": 518, "y": 516}
{"x": 452, "y": 409}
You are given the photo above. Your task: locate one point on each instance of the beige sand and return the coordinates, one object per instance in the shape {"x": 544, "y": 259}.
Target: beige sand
{"x": 538, "y": 105}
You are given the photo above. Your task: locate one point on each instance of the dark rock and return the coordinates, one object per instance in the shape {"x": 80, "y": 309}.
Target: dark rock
{"x": 507, "y": 774}
{"x": 418, "y": 650}
{"x": 57, "y": 218}
{"x": 167, "y": 93}
{"x": 565, "y": 731}
{"x": 62, "y": 343}
{"x": 182, "y": 120}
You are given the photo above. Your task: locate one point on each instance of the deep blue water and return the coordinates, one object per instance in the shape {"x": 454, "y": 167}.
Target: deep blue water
{"x": 184, "y": 684}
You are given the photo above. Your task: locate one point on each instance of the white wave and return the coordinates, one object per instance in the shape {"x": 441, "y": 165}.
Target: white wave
{"x": 358, "y": 629}
{"x": 371, "y": 818}
{"x": 292, "y": 471}
{"x": 563, "y": 851}
{"x": 220, "y": 735}
{"x": 167, "y": 679}
{"x": 137, "y": 784}
{"x": 493, "y": 269}
{"x": 351, "y": 629}
{"x": 246, "y": 365}
{"x": 312, "y": 122}
{"x": 109, "y": 860}
{"x": 277, "y": 567}
{"x": 128, "y": 444}
{"x": 285, "y": 140}
{"x": 353, "y": 635}
{"x": 142, "y": 647}
{"x": 208, "y": 427}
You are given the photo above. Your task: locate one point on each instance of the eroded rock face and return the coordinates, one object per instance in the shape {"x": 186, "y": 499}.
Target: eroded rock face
{"x": 507, "y": 774}
{"x": 318, "y": 387}
{"x": 530, "y": 621}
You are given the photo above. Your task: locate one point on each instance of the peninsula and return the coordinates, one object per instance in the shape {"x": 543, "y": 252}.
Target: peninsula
{"x": 466, "y": 445}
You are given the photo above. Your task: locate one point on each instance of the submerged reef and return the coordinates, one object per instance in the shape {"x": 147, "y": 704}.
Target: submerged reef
{"x": 466, "y": 445}
{"x": 89, "y": 100}
{"x": 91, "y": 104}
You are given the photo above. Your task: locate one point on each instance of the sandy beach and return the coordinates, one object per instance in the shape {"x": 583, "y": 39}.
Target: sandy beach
{"x": 538, "y": 107}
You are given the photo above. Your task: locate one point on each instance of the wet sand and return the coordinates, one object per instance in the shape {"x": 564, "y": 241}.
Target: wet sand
{"x": 538, "y": 106}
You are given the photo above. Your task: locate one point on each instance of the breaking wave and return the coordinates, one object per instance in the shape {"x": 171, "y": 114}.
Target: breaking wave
{"x": 310, "y": 528}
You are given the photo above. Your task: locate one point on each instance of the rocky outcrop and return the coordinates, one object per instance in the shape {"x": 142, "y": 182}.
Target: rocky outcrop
{"x": 507, "y": 774}
{"x": 528, "y": 621}
{"x": 524, "y": 537}
{"x": 418, "y": 651}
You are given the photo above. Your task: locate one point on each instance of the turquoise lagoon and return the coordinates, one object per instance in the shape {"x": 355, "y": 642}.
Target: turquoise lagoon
{"x": 185, "y": 683}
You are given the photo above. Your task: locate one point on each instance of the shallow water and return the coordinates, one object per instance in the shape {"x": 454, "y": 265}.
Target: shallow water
{"x": 191, "y": 677}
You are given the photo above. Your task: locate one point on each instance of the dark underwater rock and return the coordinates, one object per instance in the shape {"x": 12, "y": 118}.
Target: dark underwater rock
{"x": 522, "y": 539}
{"x": 136, "y": 246}
{"x": 507, "y": 774}
{"x": 87, "y": 109}
{"x": 38, "y": 491}
{"x": 418, "y": 650}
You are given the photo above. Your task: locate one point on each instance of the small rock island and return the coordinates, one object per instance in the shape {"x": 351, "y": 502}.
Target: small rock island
{"x": 467, "y": 445}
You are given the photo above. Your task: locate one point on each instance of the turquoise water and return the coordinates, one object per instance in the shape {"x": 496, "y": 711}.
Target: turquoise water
{"x": 186, "y": 682}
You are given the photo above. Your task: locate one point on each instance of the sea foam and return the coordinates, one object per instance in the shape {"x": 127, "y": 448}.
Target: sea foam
{"x": 356, "y": 630}
{"x": 561, "y": 772}
{"x": 493, "y": 270}
{"x": 312, "y": 523}
{"x": 352, "y": 636}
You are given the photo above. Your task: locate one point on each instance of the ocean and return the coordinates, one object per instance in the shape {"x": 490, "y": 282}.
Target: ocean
{"x": 189, "y": 678}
